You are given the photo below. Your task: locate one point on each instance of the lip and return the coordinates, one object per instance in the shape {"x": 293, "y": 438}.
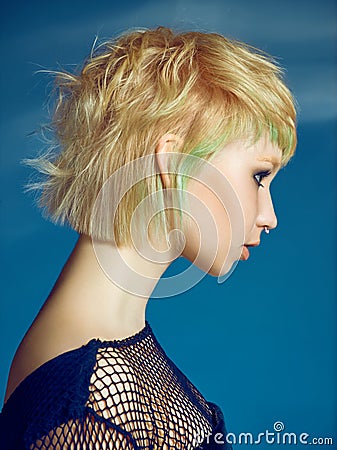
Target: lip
{"x": 245, "y": 253}
{"x": 253, "y": 244}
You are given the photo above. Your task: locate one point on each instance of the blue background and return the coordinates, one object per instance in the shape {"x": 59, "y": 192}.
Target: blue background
{"x": 263, "y": 344}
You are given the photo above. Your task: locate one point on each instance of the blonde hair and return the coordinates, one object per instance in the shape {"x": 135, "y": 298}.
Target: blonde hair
{"x": 202, "y": 87}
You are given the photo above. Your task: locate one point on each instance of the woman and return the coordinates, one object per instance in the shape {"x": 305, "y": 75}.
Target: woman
{"x": 169, "y": 143}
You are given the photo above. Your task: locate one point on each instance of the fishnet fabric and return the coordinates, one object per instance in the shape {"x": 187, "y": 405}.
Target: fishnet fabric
{"x": 118, "y": 395}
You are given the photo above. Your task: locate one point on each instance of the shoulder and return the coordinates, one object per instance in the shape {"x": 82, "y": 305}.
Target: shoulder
{"x": 58, "y": 392}
{"x": 56, "y": 377}
{"x": 34, "y": 352}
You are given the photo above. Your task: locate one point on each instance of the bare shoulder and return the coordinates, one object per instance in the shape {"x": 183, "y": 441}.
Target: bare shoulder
{"x": 45, "y": 340}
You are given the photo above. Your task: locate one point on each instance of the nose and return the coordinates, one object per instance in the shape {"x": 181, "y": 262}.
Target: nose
{"x": 266, "y": 214}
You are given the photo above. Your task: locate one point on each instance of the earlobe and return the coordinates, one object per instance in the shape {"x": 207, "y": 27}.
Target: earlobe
{"x": 166, "y": 145}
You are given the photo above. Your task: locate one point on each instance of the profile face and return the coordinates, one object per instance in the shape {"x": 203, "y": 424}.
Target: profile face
{"x": 227, "y": 206}
{"x": 248, "y": 171}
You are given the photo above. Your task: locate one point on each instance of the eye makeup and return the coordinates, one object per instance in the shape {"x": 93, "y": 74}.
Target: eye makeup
{"x": 259, "y": 176}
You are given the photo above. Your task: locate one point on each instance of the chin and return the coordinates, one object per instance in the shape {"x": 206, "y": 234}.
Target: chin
{"x": 219, "y": 266}
{"x": 219, "y": 269}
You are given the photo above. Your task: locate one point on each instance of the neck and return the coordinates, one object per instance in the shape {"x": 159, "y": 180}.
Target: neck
{"x": 103, "y": 291}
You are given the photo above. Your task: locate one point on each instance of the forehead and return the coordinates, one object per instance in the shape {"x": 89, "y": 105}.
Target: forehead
{"x": 266, "y": 151}
{"x": 243, "y": 151}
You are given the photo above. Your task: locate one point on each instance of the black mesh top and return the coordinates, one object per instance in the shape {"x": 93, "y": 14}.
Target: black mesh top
{"x": 122, "y": 394}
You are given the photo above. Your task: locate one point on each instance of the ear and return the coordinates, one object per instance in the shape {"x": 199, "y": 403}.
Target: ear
{"x": 166, "y": 144}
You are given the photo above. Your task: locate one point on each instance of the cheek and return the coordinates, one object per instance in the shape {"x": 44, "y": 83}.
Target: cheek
{"x": 208, "y": 227}
{"x": 247, "y": 195}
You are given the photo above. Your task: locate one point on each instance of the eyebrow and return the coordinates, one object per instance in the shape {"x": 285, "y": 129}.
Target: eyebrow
{"x": 275, "y": 161}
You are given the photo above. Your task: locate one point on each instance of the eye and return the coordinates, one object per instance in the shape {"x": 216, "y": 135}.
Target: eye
{"x": 258, "y": 177}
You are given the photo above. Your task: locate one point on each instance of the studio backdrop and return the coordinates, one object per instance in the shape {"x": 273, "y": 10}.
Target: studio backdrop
{"x": 263, "y": 343}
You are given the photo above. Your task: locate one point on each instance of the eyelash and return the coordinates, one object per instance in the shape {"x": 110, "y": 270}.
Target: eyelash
{"x": 263, "y": 174}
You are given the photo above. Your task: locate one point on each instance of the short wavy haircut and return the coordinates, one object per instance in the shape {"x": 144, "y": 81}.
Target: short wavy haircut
{"x": 202, "y": 87}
